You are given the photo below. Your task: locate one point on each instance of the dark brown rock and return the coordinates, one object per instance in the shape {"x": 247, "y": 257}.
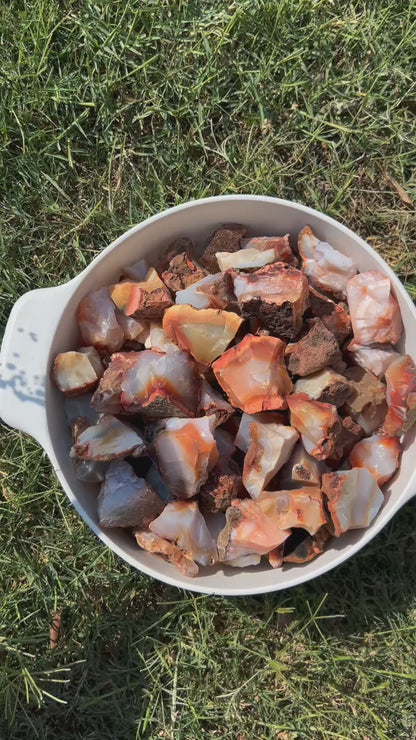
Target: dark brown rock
{"x": 176, "y": 247}
{"x": 316, "y": 350}
{"x": 226, "y": 239}
{"x": 351, "y": 433}
{"x": 224, "y": 484}
{"x": 333, "y": 315}
{"x": 182, "y": 272}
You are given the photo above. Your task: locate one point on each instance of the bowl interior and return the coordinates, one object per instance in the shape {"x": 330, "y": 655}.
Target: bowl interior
{"x": 197, "y": 220}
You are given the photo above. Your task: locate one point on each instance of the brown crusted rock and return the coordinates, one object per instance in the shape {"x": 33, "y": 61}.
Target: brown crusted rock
{"x": 333, "y": 315}
{"x": 276, "y": 294}
{"x": 107, "y": 397}
{"x": 316, "y": 350}
{"x": 182, "y": 272}
{"x": 223, "y": 485}
{"x": 366, "y": 404}
{"x": 179, "y": 245}
{"x": 280, "y": 244}
{"x": 226, "y": 239}
{"x": 326, "y": 386}
{"x": 351, "y": 433}
{"x": 145, "y": 300}
{"x": 220, "y": 292}
{"x": 126, "y": 500}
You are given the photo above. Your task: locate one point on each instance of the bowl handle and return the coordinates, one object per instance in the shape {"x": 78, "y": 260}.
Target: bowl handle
{"x": 24, "y": 358}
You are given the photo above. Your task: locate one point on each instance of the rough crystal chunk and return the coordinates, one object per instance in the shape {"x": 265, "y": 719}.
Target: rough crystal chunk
{"x": 98, "y": 323}
{"x": 109, "y": 439}
{"x": 205, "y": 333}
{"x": 302, "y": 547}
{"x": 326, "y": 268}
{"x": 245, "y": 259}
{"x": 302, "y": 507}
{"x": 161, "y": 385}
{"x": 375, "y": 358}
{"x": 213, "y": 291}
{"x": 107, "y": 397}
{"x": 157, "y": 339}
{"x": 77, "y": 372}
{"x": 354, "y": 499}
{"x": 248, "y": 531}
{"x": 212, "y": 403}
{"x": 181, "y": 522}
{"x": 126, "y": 500}
{"x": 379, "y": 454}
{"x": 301, "y": 470}
{"x": 145, "y": 300}
{"x": 280, "y": 245}
{"x": 400, "y": 395}
{"x": 317, "y": 423}
{"x": 375, "y": 313}
{"x": 186, "y": 451}
{"x": 151, "y": 542}
{"x": 270, "y": 448}
{"x": 326, "y": 386}
{"x": 243, "y": 438}
{"x": 253, "y": 374}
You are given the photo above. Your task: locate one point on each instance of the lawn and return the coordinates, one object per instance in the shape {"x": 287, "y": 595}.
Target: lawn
{"x": 111, "y": 111}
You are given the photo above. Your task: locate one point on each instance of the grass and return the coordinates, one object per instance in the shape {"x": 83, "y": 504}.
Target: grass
{"x": 111, "y": 111}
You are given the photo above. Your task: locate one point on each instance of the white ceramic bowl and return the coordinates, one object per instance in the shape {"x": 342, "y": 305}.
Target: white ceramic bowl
{"x": 42, "y": 323}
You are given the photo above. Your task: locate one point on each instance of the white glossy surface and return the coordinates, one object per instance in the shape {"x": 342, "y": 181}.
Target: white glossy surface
{"x": 42, "y": 323}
